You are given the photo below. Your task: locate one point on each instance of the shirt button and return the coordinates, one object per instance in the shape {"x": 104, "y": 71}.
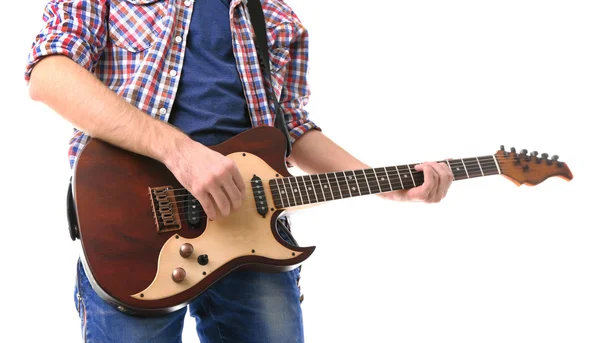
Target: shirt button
{"x": 173, "y": 73}
{"x": 187, "y": 3}
{"x": 178, "y": 39}
{"x": 163, "y": 111}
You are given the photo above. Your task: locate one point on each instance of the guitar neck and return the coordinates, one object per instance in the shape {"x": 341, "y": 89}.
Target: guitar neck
{"x": 303, "y": 190}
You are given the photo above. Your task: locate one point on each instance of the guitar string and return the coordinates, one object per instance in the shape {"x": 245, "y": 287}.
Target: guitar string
{"x": 403, "y": 168}
{"x": 335, "y": 194}
{"x": 372, "y": 178}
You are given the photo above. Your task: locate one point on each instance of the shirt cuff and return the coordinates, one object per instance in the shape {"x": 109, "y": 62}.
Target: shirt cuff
{"x": 59, "y": 44}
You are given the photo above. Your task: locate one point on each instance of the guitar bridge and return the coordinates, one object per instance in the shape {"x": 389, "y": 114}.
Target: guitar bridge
{"x": 164, "y": 209}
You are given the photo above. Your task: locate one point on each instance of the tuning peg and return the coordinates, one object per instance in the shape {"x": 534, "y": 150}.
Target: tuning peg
{"x": 544, "y": 156}
{"x": 533, "y": 153}
{"x": 527, "y": 158}
{"x": 555, "y": 158}
{"x": 524, "y": 151}
{"x": 513, "y": 149}
{"x": 502, "y": 148}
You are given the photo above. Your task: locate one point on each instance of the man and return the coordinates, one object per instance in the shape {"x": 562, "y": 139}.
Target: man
{"x": 166, "y": 79}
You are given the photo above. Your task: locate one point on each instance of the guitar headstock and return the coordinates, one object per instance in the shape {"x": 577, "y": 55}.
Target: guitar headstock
{"x": 530, "y": 169}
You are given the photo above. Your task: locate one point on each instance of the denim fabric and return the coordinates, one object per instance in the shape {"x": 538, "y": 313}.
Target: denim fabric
{"x": 244, "y": 306}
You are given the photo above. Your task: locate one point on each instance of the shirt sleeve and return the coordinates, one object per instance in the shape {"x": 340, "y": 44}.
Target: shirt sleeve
{"x": 296, "y": 91}
{"x": 73, "y": 28}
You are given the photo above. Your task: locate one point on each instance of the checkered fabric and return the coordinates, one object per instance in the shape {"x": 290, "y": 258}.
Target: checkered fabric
{"x": 136, "y": 47}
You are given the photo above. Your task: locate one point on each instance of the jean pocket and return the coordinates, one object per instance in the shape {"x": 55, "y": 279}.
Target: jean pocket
{"x": 134, "y": 25}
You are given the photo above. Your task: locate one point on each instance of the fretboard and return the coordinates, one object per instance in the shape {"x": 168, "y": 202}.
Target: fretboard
{"x": 310, "y": 189}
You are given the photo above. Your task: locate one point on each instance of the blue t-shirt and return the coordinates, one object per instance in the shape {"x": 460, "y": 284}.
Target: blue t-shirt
{"x": 210, "y": 105}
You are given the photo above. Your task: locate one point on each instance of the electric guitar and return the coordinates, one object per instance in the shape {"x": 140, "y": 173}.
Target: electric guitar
{"x": 148, "y": 249}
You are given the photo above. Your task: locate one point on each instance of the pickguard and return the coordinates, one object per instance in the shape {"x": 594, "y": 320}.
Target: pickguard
{"x": 244, "y": 232}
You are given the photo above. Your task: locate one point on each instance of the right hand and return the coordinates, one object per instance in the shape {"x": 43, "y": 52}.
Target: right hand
{"x": 213, "y": 179}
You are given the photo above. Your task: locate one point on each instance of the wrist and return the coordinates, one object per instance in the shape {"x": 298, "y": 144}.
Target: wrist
{"x": 175, "y": 150}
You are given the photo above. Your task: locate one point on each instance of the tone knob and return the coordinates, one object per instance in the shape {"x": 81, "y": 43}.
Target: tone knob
{"x": 178, "y": 274}
{"x": 186, "y": 250}
{"x": 203, "y": 259}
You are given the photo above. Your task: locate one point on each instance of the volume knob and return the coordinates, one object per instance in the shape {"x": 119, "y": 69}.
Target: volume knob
{"x": 178, "y": 274}
{"x": 186, "y": 250}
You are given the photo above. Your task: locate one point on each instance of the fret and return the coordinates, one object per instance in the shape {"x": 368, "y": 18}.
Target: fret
{"x": 394, "y": 177}
{"x": 385, "y": 183}
{"x": 283, "y": 193}
{"x": 488, "y": 165}
{"x": 325, "y": 187}
{"x": 497, "y": 166}
{"x": 361, "y": 180}
{"x": 318, "y": 189}
{"x": 290, "y": 190}
{"x": 352, "y": 183}
{"x": 346, "y": 193}
{"x": 356, "y": 181}
{"x": 479, "y": 164}
{"x": 366, "y": 180}
{"x": 466, "y": 171}
{"x": 411, "y": 174}
{"x": 335, "y": 187}
{"x": 275, "y": 193}
{"x": 302, "y": 187}
{"x": 399, "y": 177}
{"x": 457, "y": 170}
{"x": 472, "y": 167}
{"x": 297, "y": 190}
{"x": 372, "y": 181}
{"x": 310, "y": 190}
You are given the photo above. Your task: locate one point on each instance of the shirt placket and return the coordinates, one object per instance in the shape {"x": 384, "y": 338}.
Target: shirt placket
{"x": 176, "y": 52}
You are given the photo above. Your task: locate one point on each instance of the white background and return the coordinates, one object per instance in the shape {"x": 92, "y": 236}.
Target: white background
{"x": 393, "y": 82}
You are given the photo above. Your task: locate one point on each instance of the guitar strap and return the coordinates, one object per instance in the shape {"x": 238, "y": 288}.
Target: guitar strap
{"x": 257, "y": 18}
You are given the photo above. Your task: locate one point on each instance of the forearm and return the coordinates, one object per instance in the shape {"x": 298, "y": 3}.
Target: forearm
{"x": 95, "y": 109}
{"x": 316, "y": 153}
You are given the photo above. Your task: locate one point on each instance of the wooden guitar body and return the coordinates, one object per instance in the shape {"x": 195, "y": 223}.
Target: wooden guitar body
{"x": 137, "y": 262}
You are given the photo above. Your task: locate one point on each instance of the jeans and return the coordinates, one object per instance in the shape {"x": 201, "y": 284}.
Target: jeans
{"x": 244, "y": 306}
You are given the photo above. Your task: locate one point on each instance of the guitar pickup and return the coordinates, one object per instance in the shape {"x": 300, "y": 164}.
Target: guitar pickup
{"x": 193, "y": 211}
{"x": 259, "y": 196}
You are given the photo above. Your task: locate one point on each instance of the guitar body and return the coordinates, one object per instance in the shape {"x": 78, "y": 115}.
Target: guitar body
{"x": 137, "y": 262}
{"x": 147, "y": 248}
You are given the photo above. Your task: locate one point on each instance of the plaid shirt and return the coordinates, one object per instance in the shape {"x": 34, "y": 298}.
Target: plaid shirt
{"x": 136, "y": 47}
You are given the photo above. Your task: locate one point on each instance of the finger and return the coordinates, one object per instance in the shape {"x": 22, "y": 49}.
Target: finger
{"x": 238, "y": 180}
{"x": 436, "y": 183}
{"x": 221, "y": 200}
{"x": 208, "y": 205}
{"x": 233, "y": 193}
{"x": 444, "y": 180}
{"x": 423, "y": 192}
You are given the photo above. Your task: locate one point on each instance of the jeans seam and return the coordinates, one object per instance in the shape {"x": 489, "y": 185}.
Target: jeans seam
{"x": 214, "y": 319}
{"x": 81, "y": 306}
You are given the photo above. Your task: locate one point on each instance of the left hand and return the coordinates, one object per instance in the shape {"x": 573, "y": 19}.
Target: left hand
{"x": 438, "y": 178}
